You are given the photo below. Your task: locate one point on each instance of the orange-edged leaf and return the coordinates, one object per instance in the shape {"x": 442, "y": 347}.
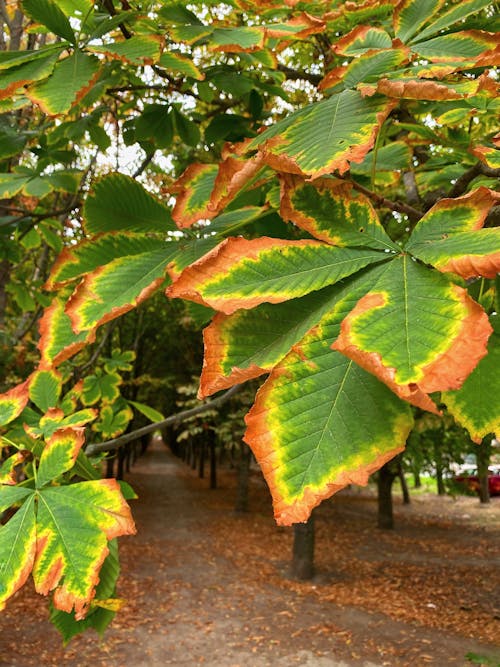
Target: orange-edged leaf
{"x": 410, "y": 15}
{"x": 138, "y": 50}
{"x": 13, "y": 402}
{"x": 454, "y": 15}
{"x": 58, "y": 342}
{"x": 241, "y": 273}
{"x": 45, "y": 389}
{"x": 332, "y": 212}
{"x": 466, "y": 45}
{"x": 449, "y": 236}
{"x": 488, "y": 154}
{"x": 74, "y": 524}
{"x": 76, "y": 260}
{"x": 414, "y": 89}
{"x": 361, "y": 39}
{"x": 118, "y": 287}
{"x": 369, "y": 66}
{"x": 192, "y": 191}
{"x": 247, "y": 343}
{"x": 298, "y": 27}
{"x": 178, "y": 63}
{"x": 475, "y": 405}
{"x": 320, "y": 422}
{"x": 324, "y": 136}
{"x": 71, "y": 79}
{"x": 8, "y": 468}
{"x": 59, "y": 454}
{"x": 34, "y": 70}
{"x": 54, "y": 419}
{"x": 17, "y": 546}
{"x": 416, "y": 331}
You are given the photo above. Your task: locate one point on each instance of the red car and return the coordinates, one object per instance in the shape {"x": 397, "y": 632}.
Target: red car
{"x": 470, "y": 479}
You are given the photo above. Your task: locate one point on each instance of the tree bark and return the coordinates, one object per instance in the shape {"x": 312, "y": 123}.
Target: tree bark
{"x": 483, "y": 454}
{"x": 438, "y": 462}
{"x": 404, "y": 485}
{"x": 303, "y": 550}
{"x": 386, "y": 476}
{"x": 213, "y": 460}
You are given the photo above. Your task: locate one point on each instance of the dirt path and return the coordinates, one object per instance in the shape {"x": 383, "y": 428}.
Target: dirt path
{"x": 205, "y": 586}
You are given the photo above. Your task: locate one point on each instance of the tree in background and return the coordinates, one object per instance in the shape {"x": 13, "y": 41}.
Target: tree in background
{"x": 336, "y": 208}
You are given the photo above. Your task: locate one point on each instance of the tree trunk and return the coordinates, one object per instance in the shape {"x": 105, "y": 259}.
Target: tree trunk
{"x": 417, "y": 482}
{"x": 213, "y": 458}
{"x": 483, "y": 454}
{"x": 241, "y": 504}
{"x": 120, "y": 467}
{"x": 303, "y": 550}
{"x": 404, "y": 485}
{"x": 438, "y": 462}
{"x": 110, "y": 464}
{"x": 386, "y": 476}
{"x": 201, "y": 464}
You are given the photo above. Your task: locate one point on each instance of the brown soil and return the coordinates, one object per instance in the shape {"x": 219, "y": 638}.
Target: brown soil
{"x": 206, "y": 586}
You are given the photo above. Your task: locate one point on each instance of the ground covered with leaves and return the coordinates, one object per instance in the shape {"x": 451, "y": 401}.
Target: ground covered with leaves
{"x": 204, "y": 585}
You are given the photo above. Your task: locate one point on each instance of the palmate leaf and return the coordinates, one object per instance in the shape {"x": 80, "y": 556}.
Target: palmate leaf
{"x": 45, "y": 389}
{"x": 241, "y": 274}
{"x": 416, "y": 331}
{"x": 324, "y": 136}
{"x": 475, "y": 405}
{"x": 369, "y": 66}
{"x": 363, "y": 38}
{"x": 320, "y": 422}
{"x": 138, "y": 50}
{"x": 248, "y": 343}
{"x": 449, "y": 236}
{"x": 60, "y": 533}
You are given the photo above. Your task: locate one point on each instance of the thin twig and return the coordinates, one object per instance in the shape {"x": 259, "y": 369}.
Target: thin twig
{"x": 116, "y": 443}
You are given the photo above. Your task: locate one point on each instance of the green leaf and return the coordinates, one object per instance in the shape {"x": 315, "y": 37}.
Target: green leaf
{"x": 103, "y": 388}
{"x": 152, "y": 414}
{"x": 320, "y": 422}
{"x": 396, "y": 156}
{"x": 10, "y": 59}
{"x": 365, "y": 68}
{"x": 113, "y": 422}
{"x": 137, "y": 50}
{"x": 50, "y": 15}
{"x": 155, "y": 124}
{"x": 12, "y": 184}
{"x": 241, "y": 274}
{"x": 241, "y": 38}
{"x": 118, "y": 203}
{"x": 411, "y": 15}
{"x": 324, "y": 136}
{"x": 186, "y": 129}
{"x": 71, "y": 80}
{"x": 475, "y": 404}
{"x": 453, "y": 15}
{"x": 45, "y": 389}
{"x": 464, "y": 45}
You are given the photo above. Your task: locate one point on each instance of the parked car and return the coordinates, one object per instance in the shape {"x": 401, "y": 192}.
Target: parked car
{"x": 470, "y": 480}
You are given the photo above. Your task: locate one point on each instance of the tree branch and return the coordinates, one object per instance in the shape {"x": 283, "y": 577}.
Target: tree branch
{"x": 462, "y": 183}
{"x": 116, "y": 443}
{"x": 411, "y": 212}
{"x": 295, "y": 75}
